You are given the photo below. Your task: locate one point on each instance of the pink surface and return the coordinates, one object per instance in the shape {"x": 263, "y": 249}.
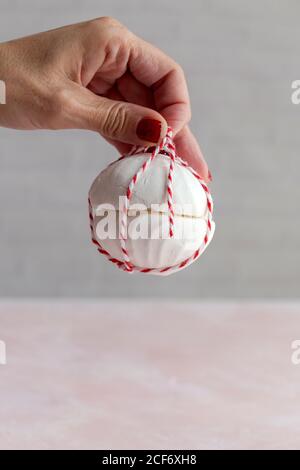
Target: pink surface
{"x": 148, "y": 375}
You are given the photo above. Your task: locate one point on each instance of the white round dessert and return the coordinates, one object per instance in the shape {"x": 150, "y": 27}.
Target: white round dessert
{"x": 148, "y": 243}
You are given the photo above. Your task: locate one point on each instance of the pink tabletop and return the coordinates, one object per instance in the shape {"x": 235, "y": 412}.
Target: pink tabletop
{"x": 162, "y": 375}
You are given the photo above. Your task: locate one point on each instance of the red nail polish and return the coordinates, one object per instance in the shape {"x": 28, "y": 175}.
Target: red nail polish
{"x": 209, "y": 176}
{"x": 149, "y": 130}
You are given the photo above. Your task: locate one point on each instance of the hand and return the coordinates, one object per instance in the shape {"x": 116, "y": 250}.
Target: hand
{"x": 97, "y": 75}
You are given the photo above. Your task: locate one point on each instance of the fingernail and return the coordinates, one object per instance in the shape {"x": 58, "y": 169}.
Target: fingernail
{"x": 149, "y": 130}
{"x": 209, "y": 176}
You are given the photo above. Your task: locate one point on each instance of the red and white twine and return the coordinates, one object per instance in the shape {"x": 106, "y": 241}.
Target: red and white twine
{"x": 167, "y": 148}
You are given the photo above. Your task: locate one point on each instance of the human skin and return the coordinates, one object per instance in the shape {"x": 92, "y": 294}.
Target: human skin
{"x": 97, "y": 75}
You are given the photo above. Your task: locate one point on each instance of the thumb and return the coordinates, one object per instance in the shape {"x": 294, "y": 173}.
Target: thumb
{"x": 118, "y": 120}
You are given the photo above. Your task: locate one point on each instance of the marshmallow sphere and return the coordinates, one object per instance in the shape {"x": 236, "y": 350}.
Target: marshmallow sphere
{"x": 148, "y": 243}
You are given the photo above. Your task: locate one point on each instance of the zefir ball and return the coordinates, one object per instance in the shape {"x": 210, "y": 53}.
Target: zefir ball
{"x": 148, "y": 244}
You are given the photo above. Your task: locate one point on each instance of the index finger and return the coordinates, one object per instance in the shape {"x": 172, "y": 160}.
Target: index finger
{"x": 156, "y": 70}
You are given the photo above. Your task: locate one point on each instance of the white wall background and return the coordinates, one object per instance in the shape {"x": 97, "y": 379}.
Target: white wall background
{"x": 240, "y": 58}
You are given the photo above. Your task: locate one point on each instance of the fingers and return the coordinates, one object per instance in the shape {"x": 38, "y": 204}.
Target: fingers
{"x": 153, "y": 81}
{"x": 117, "y": 120}
{"x": 121, "y": 123}
{"x": 156, "y": 70}
{"x": 111, "y": 49}
{"x": 188, "y": 149}
{"x": 144, "y": 90}
{"x": 134, "y": 91}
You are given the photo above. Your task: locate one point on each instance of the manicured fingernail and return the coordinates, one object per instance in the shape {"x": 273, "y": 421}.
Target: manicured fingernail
{"x": 209, "y": 176}
{"x": 149, "y": 130}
